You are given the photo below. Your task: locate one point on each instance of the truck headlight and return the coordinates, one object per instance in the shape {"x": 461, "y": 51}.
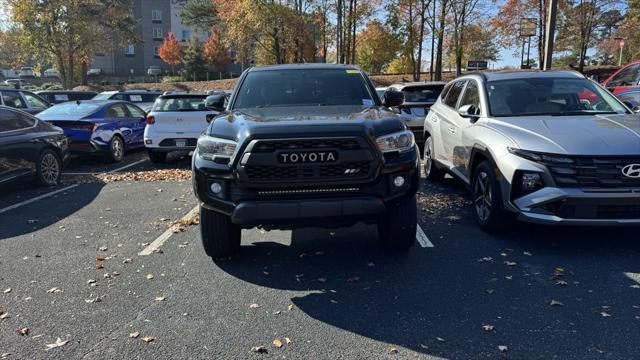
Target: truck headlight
{"x": 401, "y": 141}
{"x": 210, "y": 147}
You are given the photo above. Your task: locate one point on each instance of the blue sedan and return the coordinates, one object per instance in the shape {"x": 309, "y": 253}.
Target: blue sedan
{"x": 107, "y": 127}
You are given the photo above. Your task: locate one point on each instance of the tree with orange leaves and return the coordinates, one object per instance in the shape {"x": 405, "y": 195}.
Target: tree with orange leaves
{"x": 171, "y": 51}
{"x": 216, "y": 52}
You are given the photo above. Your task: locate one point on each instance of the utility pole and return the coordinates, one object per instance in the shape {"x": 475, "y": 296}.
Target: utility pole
{"x": 550, "y": 34}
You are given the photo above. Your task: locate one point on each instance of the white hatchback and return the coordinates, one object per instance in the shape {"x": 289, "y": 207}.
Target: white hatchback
{"x": 174, "y": 124}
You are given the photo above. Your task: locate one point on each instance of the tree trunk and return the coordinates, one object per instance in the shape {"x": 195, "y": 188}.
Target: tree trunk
{"x": 443, "y": 14}
{"x": 353, "y": 47}
{"x": 433, "y": 39}
{"x": 85, "y": 67}
{"x": 339, "y": 32}
{"x": 72, "y": 80}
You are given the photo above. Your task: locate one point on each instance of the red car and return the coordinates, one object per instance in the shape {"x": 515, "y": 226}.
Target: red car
{"x": 628, "y": 77}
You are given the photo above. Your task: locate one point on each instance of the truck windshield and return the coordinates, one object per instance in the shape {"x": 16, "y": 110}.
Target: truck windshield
{"x": 549, "y": 96}
{"x": 304, "y": 87}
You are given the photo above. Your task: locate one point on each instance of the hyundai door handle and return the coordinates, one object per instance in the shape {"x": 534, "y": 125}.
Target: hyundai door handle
{"x": 452, "y": 130}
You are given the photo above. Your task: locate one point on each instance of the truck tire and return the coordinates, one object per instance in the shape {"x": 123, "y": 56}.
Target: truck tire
{"x": 157, "y": 157}
{"x": 487, "y": 200}
{"x": 397, "y": 230}
{"x": 220, "y": 237}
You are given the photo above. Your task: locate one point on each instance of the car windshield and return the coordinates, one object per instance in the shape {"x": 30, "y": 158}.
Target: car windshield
{"x": 304, "y": 87}
{"x": 422, "y": 94}
{"x": 72, "y": 108}
{"x": 549, "y": 96}
{"x": 182, "y": 103}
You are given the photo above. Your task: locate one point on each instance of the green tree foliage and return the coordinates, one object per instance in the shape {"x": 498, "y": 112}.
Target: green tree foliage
{"x": 69, "y": 32}
{"x": 194, "y": 61}
{"x": 400, "y": 65}
{"x": 377, "y": 47}
{"x": 199, "y": 14}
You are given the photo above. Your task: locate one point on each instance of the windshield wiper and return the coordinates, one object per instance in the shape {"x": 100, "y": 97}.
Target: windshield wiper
{"x": 581, "y": 112}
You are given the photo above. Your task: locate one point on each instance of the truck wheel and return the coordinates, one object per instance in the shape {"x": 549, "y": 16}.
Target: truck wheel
{"x": 220, "y": 237}
{"x": 157, "y": 157}
{"x": 487, "y": 199}
{"x": 398, "y": 229}
{"x": 116, "y": 149}
{"x": 431, "y": 170}
{"x": 49, "y": 168}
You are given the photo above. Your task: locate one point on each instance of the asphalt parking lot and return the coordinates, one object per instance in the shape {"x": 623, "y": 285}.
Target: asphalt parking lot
{"x": 112, "y": 266}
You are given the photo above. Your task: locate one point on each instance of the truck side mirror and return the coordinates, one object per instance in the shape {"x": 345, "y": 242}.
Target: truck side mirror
{"x": 215, "y": 102}
{"x": 392, "y": 98}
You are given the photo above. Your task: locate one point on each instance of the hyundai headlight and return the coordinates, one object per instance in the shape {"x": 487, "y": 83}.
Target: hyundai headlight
{"x": 541, "y": 157}
{"x": 402, "y": 141}
{"x": 210, "y": 147}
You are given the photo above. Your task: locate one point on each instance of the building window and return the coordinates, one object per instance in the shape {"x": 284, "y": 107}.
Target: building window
{"x": 186, "y": 35}
{"x": 158, "y": 34}
{"x": 130, "y": 50}
{"x": 156, "y": 15}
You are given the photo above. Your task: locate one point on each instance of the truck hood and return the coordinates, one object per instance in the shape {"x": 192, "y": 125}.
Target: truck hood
{"x": 616, "y": 134}
{"x": 303, "y": 121}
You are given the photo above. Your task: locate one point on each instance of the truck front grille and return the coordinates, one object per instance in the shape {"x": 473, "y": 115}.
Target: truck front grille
{"x": 355, "y": 162}
{"x": 594, "y": 172}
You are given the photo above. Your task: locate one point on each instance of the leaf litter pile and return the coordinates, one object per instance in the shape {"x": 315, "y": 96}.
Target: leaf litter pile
{"x": 144, "y": 176}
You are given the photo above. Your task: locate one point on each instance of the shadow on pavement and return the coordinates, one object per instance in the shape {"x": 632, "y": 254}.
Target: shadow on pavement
{"x": 436, "y": 301}
{"x": 42, "y": 213}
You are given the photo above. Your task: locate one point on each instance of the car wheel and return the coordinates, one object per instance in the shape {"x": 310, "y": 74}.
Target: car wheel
{"x": 157, "y": 157}
{"x": 49, "y": 168}
{"x": 431, "y": 170}
{"x": 116, "y": 149}
{"x": 398, "y": 229}
{"x": 220, "y": 237}
{"x": 487, "y": 199}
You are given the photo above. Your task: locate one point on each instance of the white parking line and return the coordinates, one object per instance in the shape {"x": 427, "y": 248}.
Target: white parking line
{"x": 15, "y": 206}
{"x": 423, "y": 239}
{"x": 108, "y": 172}
{"x": 160, "y": 240}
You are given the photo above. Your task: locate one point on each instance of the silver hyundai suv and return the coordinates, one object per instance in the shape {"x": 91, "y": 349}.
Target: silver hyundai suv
{"x": 546, "y": 147}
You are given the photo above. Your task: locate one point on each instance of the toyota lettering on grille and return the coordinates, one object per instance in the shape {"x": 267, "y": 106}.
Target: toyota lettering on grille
{"x": 631, "y": 171}
{"x": 301, "y": 157}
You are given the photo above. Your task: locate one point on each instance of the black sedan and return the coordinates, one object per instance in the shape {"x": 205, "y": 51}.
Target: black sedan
{"x": 30, "y": 148}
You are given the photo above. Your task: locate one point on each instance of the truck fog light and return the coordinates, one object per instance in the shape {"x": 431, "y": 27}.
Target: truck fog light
{"x": 398, "y": 181}
{"x": 216, "y": 188}
{"x": 531, "y": 181}
{"x": 148, "y": 141}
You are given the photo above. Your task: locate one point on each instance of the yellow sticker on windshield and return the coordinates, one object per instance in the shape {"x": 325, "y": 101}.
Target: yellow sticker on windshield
{"x": 353, "y": 71}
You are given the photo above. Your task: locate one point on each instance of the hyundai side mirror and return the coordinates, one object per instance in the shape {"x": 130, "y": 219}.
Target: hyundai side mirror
{"x": 215, "y": 102}
{"x": 392, "y": 98}
{"x": 469, "y": 111}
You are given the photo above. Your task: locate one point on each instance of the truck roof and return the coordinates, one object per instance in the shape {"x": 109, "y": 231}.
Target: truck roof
{"x": 314, "y": 66}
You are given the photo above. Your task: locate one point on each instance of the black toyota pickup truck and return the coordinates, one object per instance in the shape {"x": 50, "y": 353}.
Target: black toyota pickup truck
{"x": 305, "y": 145}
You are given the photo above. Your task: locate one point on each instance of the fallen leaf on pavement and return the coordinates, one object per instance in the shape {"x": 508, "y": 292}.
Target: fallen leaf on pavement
{"x": 100, "y": 258}
{"x": 91, "y": 301}
{"x": 393, "y": 350}
{"x": 287, "y": 340}
{"x": 148, "y": 339}
{"x": 502, "y": 348}
{"x": 562, "y": 283}
{"x": 556, "y": 303}
{"x": 99, "y": 266}
{"x": 439, "y": 339}
{"x": 277, "y": 343}
{"x": 160, "y": 298}
{"x": 150, "y": 276}
{"x": 605, "y": 314}
{"x": 54, "y": 290}
{"x": 259, "y": 349}
{"x": 527, "y": 253}
{"x": 510, "y": 263}
{"x": 91, "y": 281}
{"x": 59, "y": 342}
{"x": 255, "y": 306}
{"x": 134, "y": 335}
{"x": 6, "y": 291}
{"x": 290, "y": 307}
{"x": 22, "y": 331}
{"x": 488, "y": 327}
{"x": 127, "y": 261}
{"x": 102, "y": 248}
{"x": 322, "y": 280}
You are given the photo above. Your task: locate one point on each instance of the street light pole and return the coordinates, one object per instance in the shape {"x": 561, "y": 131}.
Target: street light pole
{"x": 550, "y": 34}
